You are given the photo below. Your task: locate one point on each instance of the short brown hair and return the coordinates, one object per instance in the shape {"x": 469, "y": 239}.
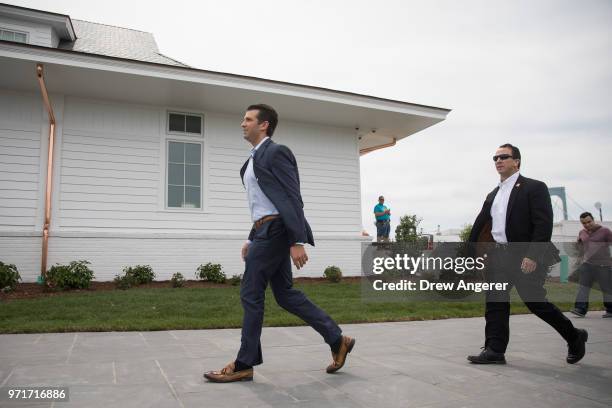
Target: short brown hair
{"x": 266, "y": 113}
{"x": 516, "y": 153}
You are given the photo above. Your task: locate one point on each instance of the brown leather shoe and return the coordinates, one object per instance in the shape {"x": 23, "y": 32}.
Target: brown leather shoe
{"x": 227, "y": 374}
{"x": 340, "y": 358}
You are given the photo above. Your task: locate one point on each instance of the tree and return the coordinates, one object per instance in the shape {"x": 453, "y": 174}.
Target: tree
{"x": 464, "y": 235}
{"x": 406, "y": 231}
{"x": 467, "y": 249}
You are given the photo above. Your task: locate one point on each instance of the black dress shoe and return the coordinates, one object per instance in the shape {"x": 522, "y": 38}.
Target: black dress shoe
{"x": 576, "y": 349}
{"x": 488, "y": 356}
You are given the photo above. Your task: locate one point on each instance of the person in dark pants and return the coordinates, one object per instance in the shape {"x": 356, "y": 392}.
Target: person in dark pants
{"x": 382, "y": 213}
{"x": 595, "y": 242}
{"x": 517, "y": 218}
{"x": 278, "y": 236}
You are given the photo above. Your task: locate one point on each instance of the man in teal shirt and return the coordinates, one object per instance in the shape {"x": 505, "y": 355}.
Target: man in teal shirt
{"x": 383, "y": 220}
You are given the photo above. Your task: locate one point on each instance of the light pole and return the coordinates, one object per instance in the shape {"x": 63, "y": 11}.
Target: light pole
{"x": 598, "y": 206}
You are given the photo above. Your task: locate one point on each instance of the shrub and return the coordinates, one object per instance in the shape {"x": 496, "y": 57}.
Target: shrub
{"x": 211, "y": 272}
{"x": 235, "y": 280}
{"x": 140, "y": 273}
{"x": 9, "y": 277}
{"x": 125, "y": 281}
{"x": 393, "y": 274}
{"x": 333, "y": 274}
{"x": 75, "y": 275}
{"x": 178, "y": 280}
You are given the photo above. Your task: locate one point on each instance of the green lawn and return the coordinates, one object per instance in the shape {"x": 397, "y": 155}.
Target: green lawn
{"x": 207, "y": 308}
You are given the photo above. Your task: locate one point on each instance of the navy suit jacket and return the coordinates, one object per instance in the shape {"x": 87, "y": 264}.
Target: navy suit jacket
{"x": 277, "y": 174}
{"x": 529, "y": 219}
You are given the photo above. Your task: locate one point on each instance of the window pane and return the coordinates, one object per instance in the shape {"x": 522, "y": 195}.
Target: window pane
{"x": 192, "y": 197}
{"x": 192, "y": 175}
{"x": 175, "y": 196}
{"x": 176, "y": 174}
{"x": 176, "y": 152}
{"x": 194, "y": 124}
{"x": 19, "y": 37}
{"x": 8, "y": 35}
{"x": 192, "y": 153}
{"x": 176, "y": 123}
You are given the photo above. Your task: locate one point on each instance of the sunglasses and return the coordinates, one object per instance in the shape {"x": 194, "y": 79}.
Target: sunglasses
{"x": 502, "y": 156}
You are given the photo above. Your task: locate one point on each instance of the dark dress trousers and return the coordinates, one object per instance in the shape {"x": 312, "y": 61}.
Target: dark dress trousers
{"x": 268, "y": 259}
{"x": 529, "y": 224}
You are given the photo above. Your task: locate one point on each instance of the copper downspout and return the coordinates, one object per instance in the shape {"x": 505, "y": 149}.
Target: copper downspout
{"x": 49, "y": 187}
{"x": 373, "y": 148}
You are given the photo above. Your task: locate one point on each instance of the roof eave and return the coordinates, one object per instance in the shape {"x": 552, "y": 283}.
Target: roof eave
{"x": 376, "y": 121}
{"x": 430, "y": 109}
{"x": 60, "y": 22}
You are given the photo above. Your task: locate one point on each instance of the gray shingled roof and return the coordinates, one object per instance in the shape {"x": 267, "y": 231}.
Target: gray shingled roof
{"x": 119, "y": 42}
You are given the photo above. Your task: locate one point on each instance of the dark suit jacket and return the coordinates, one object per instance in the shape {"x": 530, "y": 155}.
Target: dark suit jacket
{"x": 529, "y": 219}
{"x": 277, "y": 174}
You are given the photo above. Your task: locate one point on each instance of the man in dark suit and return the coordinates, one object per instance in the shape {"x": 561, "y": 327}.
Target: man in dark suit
{"x": 278, "y": 236}
{"x": 517, "y": 219}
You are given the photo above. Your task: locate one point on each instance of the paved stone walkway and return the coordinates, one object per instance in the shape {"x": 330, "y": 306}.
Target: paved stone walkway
{"x": 409, "y": 364}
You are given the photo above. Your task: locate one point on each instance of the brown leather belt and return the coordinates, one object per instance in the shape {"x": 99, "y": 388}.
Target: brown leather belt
{"x": 263, "y": 220}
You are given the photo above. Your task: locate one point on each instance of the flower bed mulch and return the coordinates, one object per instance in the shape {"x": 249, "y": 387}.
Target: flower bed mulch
{"x": 34, "y": 290}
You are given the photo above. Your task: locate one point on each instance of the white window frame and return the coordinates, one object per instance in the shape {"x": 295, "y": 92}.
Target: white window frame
{"x": 27, "y": 34}
{"x": 185, "y": 133}
{"x": 166, "y": 137}
{"x": 167, "y": 160}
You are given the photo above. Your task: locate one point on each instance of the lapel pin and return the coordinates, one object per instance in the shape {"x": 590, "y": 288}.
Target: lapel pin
{"x": 517, "y": 185}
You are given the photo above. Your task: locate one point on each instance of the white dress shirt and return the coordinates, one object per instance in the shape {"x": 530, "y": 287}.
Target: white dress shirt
{"x": 259, "y": 204}
{"x": 499, "y": 208}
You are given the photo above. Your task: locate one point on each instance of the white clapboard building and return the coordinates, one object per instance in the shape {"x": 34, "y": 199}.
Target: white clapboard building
{"x": 146, "y": 152}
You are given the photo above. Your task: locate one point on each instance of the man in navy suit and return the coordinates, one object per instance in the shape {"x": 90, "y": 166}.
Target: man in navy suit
{"x": 517, "y": 219}
{"x": 278, "y": 236}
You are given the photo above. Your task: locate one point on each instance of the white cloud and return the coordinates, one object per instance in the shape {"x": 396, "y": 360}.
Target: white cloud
{"x": 534, "y": 73}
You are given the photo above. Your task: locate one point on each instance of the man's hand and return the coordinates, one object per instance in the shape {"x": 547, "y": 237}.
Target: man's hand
{"x": 528, "y": 266}
{"x": 244, "y": 251}
{"x": 298, "y": 255}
